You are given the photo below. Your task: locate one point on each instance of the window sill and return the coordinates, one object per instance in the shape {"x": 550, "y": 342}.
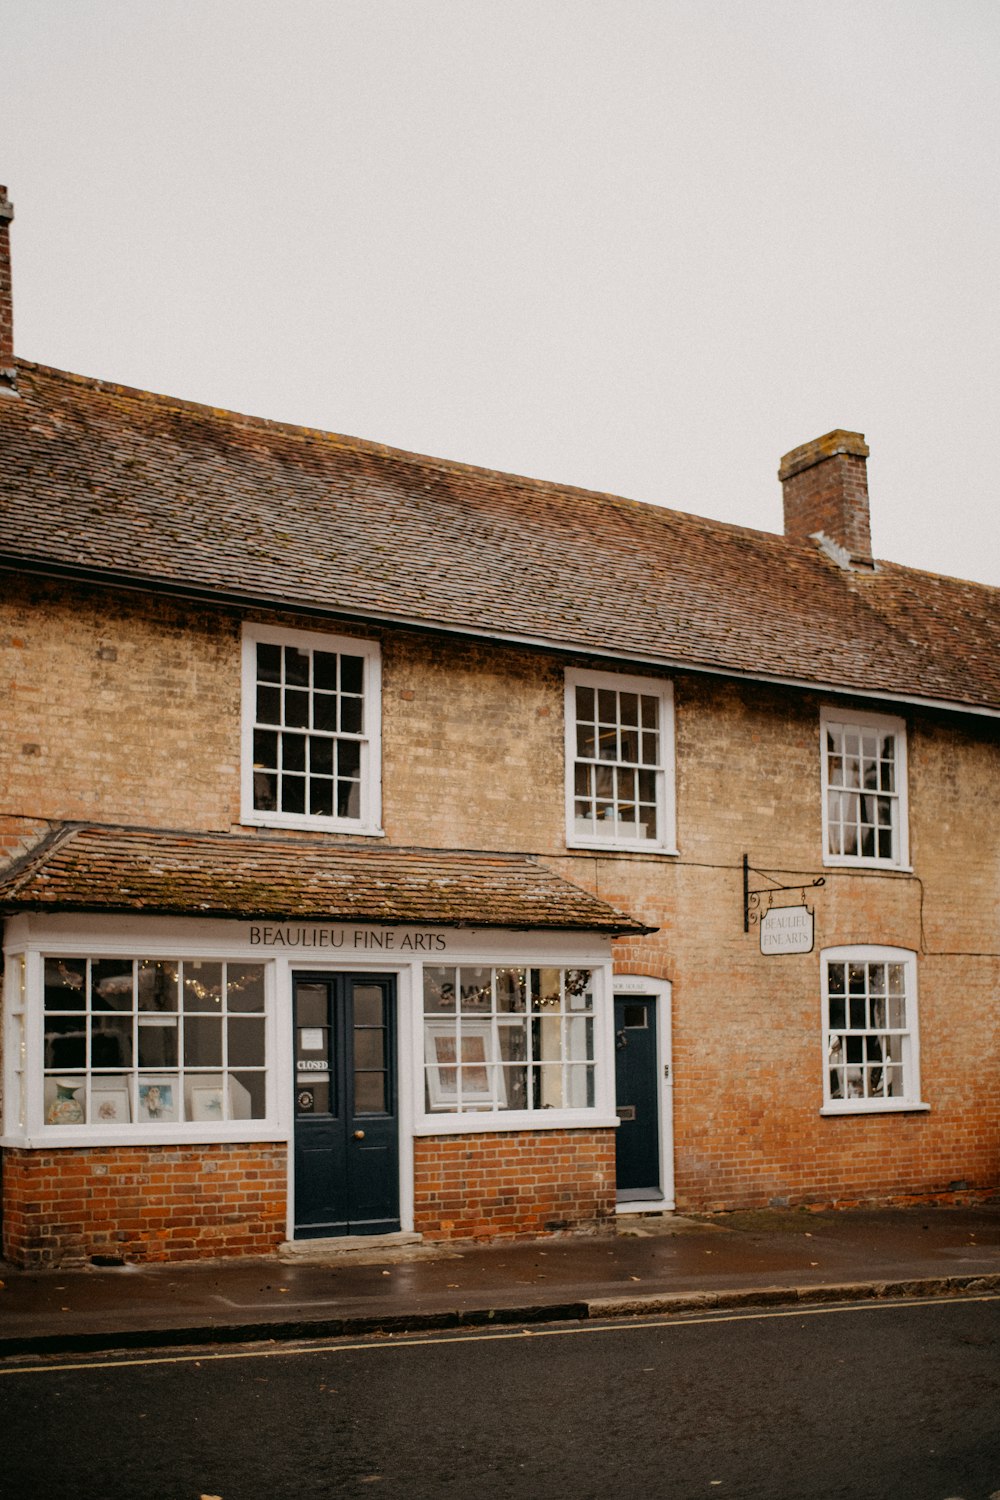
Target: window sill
{"x": 56, "y": 1138}
{"x": 314, "y": 825}
{"x": 863, "y": 1107}
{"x": 514, "y": 1120}
{"x": 619, "y": 846}
{"x": 850, "y": 862}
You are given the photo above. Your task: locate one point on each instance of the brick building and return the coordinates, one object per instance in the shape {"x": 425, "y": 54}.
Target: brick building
{"x": 393, "y": 845}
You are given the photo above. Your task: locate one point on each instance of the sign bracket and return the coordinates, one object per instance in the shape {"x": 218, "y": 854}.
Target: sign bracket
{"x": 752, "y": 898}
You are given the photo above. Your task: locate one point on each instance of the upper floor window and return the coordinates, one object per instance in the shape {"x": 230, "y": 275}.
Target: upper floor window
{"x": 870, "y": 1038}
{"x": 864, "y": 789}
{"x": 311, "y": 730}
{"x": 619, "y": 752}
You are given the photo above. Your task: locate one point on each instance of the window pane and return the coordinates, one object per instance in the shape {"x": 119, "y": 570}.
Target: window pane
{"x": 296, "y": 666}
{"x": 268, "y": 662}
{"x": 477, "y": 993}
{"x": 246, "y": 1041}
{"x": 350, "y": 715}
{"x": 202, "y": 1041}
{"x": 249, "y": 1101}
{"x": 65, "y": 1042}
{"x": 245, "y": 986}
{"x": 368, "y": 1048}
{"x": 325, "y": 671}
{"x": 158, "y": 1043}
{"x": 369, "y": 1005}
{"x": 202, "y": 986}
{"x": 111, "y": 984}
{"x": 110, "y": 1041}
{"x": 369, "y": 1093}
{"x": 439, "y": 990}
{"x": 351, "y": 674}
{"x": 65, "y": 984}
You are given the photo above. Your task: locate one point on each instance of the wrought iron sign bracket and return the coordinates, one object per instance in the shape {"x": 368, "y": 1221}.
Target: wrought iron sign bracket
{"x": 752, "y": 898}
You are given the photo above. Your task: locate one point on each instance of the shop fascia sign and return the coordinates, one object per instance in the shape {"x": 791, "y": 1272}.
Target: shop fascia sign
{"x": 348, "y": 939}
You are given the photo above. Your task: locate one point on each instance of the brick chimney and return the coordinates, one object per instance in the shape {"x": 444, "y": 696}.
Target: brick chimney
{"x": 825, "y": 488}
{"x": 8, "y": 375}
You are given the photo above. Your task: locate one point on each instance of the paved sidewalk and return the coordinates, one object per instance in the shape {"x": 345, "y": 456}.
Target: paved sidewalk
{"x": 652, "y": 1264}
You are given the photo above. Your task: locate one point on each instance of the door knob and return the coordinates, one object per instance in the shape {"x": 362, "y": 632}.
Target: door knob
{"x": 359, "y": 1135}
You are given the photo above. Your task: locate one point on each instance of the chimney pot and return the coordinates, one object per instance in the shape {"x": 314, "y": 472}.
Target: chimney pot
{"x": 825, "y": 489}
{"x": 8, "y": 373}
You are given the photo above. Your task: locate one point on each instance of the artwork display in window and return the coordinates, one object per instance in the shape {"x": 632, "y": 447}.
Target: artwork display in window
{"x": 138, "y": 1033}
{"x": 508, "y": 1039}
{"x": 158, "y": 1100}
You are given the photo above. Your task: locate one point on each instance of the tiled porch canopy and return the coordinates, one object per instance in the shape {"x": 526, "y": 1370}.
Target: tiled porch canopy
{"x": 96, "y": 869}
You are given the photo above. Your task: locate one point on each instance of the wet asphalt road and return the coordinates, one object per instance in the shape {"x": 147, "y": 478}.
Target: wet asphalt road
{"x": 864, "y": 1401}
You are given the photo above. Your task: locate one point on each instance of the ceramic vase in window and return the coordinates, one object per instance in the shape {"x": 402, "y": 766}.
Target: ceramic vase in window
{"x": 66, "y": 1108}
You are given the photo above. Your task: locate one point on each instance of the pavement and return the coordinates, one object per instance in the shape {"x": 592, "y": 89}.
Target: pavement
{"x": 649, "y": 1264}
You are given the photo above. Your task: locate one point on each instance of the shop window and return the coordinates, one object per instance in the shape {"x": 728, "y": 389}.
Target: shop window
{"x": 141, "y": 1041}
{"x": 311, "y": 730}
{"x": 504, "y": 1039}
{"x": 619, "y": 761}
{"x": 871, "y": 1054}
{"x": 864, "y": 790}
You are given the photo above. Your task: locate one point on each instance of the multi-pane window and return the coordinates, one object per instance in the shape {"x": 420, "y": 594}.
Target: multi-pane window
{"x": 870, "y": 1028}
{"x": 864, "y": 770}
{"x": 153, "y": 1041}
{"x": 619, "y": 757}
{"x": 508, "y": 1039}
{"x": 311, "y": 711}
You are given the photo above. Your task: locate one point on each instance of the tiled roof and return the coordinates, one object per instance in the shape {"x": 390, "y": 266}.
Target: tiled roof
{"x": 96, "y": 478}
{"x": 85, "y": 868}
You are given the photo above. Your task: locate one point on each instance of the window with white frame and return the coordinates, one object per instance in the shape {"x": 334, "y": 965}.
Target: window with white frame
{"x": 311, "y": 730}
{"x": 619, "y": 754}
{"x": 871, "y": 1048}
{"x": 864, "y": 789}
{"x": 507, "y": 1039}
{"x": 149, "y": 1041}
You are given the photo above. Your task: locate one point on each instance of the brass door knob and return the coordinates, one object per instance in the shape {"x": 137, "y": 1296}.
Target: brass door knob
{"x": 359, "y": 1135}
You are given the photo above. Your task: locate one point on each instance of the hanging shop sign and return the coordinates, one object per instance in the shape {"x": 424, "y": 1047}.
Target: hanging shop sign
{"x": 787, "y": 929}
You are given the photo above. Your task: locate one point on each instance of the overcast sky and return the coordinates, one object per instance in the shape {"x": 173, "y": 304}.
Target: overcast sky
{"x": 644, "y": 246}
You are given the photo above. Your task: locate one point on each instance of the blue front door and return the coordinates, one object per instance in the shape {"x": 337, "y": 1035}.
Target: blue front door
{"x": 346, "y": 1125}
{"x": 637, "y": 1099}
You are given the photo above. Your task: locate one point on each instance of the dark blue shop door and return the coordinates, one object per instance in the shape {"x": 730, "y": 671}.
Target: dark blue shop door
{"x": 637, "y": 1097}
{"x": 346, "y": 1126}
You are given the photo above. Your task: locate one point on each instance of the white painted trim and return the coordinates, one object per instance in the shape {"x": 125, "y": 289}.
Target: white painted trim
{"x": 661, "y": 991}
{"x": 370, "y": 820}
{"x": 885, "y": 724}
{"x": 601, "y": 1117}
{"x": 874, "y": 953}
{"x": 666, "y": 776}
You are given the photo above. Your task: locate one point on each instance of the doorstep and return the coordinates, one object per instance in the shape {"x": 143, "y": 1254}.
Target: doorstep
{"x": 358, "y": 1248}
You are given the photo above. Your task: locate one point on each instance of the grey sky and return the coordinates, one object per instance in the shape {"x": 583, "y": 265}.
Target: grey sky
{"x": 644, "y": 246}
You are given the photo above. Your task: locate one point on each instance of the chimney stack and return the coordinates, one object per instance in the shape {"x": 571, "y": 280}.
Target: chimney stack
{"x": 8, "y": 374}
{"x": 825, "y": 489}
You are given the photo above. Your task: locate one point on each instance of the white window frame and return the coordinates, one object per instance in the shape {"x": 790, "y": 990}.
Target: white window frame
{"x": 881, "y": 724}
{"x": 665, "y": 842}
{"x": 370, "y": 814}
{"x": 24, "y": 1123}
{"x": 599, "y": 1115}
{"x": 910, "y": 1099}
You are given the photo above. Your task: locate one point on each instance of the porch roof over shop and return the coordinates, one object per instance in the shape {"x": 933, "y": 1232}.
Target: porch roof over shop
{"x": 137, "y": 490}
{"x": 99, "y": 869}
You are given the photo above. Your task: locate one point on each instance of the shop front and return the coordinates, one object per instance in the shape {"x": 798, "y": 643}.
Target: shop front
{"x": 180, "y": 1086}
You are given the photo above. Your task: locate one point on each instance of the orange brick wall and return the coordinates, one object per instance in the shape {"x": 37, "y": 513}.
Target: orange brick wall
{"x": 143, "y": 1203}
{"x": 513, "y": 1183}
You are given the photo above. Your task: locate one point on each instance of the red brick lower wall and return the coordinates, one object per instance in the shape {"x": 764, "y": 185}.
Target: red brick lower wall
{"x": 143, "y": 1202}
{"x": 512, "y": 1183}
